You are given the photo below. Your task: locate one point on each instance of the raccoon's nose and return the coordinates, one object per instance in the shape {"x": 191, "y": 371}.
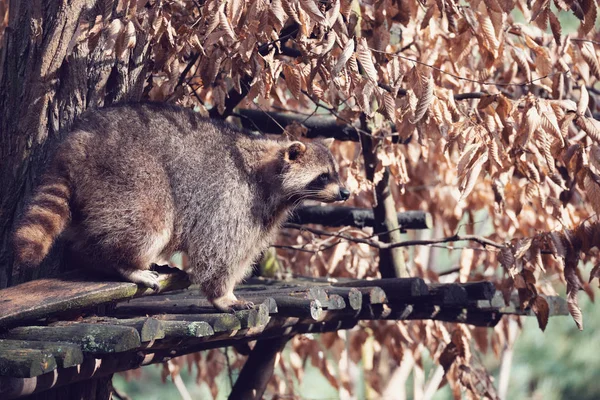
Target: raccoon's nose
{"x": 344, "y": 194}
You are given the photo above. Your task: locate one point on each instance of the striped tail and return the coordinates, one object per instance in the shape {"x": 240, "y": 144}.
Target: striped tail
{"x": 45, "y": 217}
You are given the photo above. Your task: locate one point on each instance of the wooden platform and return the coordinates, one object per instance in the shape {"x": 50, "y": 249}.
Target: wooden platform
{"x": 50, "y": 334}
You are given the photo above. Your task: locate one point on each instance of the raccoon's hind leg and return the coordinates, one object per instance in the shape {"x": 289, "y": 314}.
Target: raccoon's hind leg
{"x": 230, "y": 303}
{"x": 219, "y": 291}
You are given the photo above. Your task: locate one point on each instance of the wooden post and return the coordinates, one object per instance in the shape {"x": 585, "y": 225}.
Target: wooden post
{"x": 257, "y": 371}
{"x": 391, "y": 261}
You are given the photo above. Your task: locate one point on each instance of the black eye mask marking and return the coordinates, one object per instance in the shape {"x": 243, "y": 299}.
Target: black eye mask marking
{"x": 320, "y": 181}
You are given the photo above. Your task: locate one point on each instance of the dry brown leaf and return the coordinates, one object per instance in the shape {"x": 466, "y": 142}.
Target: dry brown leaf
{"x": 364, "y": 56}
{"x": 389, "y": 105}
{"x": 595, "y": 273}
{"x": 521, "y": 59}
{"x": 555, "y": 27}
{"x": 522, "y": 247}
{"x": 591, "y": 184}
{"x": 489, "y": 33}
{"x": 291, "y": 10}
{"x": 589, "y": 18}
{"x": 584, "y": 100}
{"x": 542, "y": 311}
{"x": 333, "y": 13}
{"x": 466, "y": 185}
{"x": 573, "y": 286}
{"x": 426, "y": 98}
{"x": 344, "y": 57}
{"x": 311, "y": 8}
{"x": 588, "y": 52}
{"x": 590, "y": 126}
{"x": 550, "y": 124}
{"x": 293, "y": 80}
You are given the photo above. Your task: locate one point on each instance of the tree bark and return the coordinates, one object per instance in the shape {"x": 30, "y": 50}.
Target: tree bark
{"x": 46, "y": 81}
{"x": 391, "y": 261}
{"x": 259, "y": 367}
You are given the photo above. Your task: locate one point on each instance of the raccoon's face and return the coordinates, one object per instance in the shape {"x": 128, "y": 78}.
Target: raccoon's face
{"x": 311, "y": 173}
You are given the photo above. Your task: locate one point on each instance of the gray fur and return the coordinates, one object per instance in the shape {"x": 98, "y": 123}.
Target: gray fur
{"x": 147, "y": 180}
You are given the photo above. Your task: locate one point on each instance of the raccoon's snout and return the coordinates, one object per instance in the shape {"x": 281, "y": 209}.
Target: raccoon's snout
{"x": 343, "y": 194}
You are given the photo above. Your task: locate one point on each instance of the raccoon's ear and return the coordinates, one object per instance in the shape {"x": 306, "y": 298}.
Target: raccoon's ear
{"x": 294, "y": 150}
{"x": 327, "y": 142}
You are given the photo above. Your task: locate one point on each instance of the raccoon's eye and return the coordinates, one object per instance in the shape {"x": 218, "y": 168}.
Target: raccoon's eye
{"x": 323, "y": 178}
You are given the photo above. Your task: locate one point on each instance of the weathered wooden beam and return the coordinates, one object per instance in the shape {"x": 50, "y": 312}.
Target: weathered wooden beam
{"x": 74, "y": 291}
{"x": 150, "y": 306}
{"x": 65, "y": 354}
{"x": 25, "y": 363}
{"x": 179, "y": 329}
{"x": 372, "y": 295}
{"x": 259, "y": 316}
{"x": 148, "y": 328}
{"x": 92, "y": 338}
{"x": 218, "y": 322}
{"x": 334, "y": 216}
{"x": 92, "y": 367}
{"x": 258, "y": 369}
{"x": 445, "y": 295}
{"x": 98, "y": 367}
{"x": 479, "y": 290}
{"x": 289, "y": 306}
{"x": 396, "y": 289}
{"x": 352, "y": 296}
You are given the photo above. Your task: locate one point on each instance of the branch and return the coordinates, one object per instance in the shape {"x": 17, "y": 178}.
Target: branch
{"x": 463, "y": 78}
{"x": 257, "y": 371}
{"x": 358, "y": 217}
{"x": 233, "y": 99}
{"x": 318, "y": 126}
{"x": 378, "y": 245}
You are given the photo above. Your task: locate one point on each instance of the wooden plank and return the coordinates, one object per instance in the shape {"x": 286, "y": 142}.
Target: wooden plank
{"x": 352, "y": 296}
{"x": 66, "y": 354}
{"x": 74, "y": 291}
{"x": 25, "y": 363}
{"x": 148, "y": 328}
{"x": 445, "y": 295}
{"x": 153, "y": 306}
{"x": 259, "y": 316}
{"x": 354, "y": 216}
{"x": 289, "y": 306}
{"x": 479, "y": 290}
{"x": 219, "y": 322}
{"x": 93, "y": 338}
{"x": 396, "y": 289}
{"x": 179, "y": 329}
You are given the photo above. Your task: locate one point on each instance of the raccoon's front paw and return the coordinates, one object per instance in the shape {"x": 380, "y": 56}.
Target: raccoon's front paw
{"x": 144, "y": 277}
{"x": 229, "y": 303}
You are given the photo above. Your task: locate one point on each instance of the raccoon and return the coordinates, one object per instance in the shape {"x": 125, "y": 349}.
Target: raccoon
{"x": 132, "y": 184}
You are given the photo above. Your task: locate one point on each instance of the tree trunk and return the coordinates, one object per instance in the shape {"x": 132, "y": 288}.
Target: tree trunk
{"x": 46, "y": 82}
{"x": 47, "y": 79}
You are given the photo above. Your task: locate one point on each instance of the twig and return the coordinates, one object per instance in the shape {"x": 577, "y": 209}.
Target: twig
{"x": 187, "y": 68}
{"x": 119, "y": 395}
{"x": 229, "y": 373}
{"x": 465, "y": 78}
{"x": 455, "y": 238}
{"x": 178, "y": 382}
{"x": 584, "y": 40}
